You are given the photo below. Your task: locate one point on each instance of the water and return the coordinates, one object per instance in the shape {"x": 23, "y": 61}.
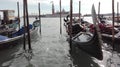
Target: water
{"x": 50, "y": 50}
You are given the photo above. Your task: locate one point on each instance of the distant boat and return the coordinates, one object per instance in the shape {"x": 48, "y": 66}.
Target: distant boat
{"x": 106, "y": 30}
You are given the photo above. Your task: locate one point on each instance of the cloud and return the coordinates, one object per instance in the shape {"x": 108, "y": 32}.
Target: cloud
{"x": 33, "y": 2}
{"x": 106, "y": 5}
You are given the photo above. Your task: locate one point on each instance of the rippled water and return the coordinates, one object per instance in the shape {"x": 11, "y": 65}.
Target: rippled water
{"x": 49, "y": 50}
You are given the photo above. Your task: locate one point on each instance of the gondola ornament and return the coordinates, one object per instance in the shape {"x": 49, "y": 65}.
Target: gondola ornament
{"x": 96, "y": 22}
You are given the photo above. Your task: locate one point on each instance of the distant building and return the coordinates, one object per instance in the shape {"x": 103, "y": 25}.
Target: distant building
{"x": 62, "y": 12}
{"x": 8, "y": 15}
{"x": 53, "y": 10}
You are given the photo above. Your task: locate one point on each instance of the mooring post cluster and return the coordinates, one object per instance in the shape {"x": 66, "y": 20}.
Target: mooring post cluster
{"x": 26, "y": 25}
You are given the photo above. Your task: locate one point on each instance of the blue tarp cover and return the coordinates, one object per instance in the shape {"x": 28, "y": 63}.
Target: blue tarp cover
{"x": 3, "y": 37}
{"x": 21, "y": 31}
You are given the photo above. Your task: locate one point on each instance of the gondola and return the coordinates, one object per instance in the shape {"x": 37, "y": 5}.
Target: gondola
{"x": 92, "y": 46}
{"x": 9, "y": 32}
{"x": 106, "y": 34}
{"x": 106, "y": 30}
{"x": 17, "y": 38}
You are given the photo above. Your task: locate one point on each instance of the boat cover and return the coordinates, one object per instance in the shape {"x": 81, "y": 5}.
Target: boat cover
{"x": 3, "y": 37}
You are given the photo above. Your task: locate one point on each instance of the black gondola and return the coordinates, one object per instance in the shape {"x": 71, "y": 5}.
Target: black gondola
{"x": 92, "y": 46}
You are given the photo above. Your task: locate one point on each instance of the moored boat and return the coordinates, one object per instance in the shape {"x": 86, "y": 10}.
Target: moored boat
{"x": 106, "y": 31}
{"x": 92, "y": 45}
{"x": 9, "y": 35}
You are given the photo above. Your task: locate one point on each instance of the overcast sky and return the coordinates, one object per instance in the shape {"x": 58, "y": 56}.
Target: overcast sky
{"x": 106, "y": 5}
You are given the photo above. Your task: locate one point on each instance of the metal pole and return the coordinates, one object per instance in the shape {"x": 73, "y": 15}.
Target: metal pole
{"x": 80, "y": 11}
{"x": 99, "y": 10}
{"x": 24, "y": 14}
{"x": 39, "y": 16}
{"x": 18, "y": 14}
{"x": 113, "y": 23}
{"x": 70, "y": 26}
{"x": 28, "y": 30}
{"x": 60, "y": 19}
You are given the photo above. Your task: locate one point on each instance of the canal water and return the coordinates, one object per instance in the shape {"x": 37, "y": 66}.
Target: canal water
{"x": 50, "y": 49}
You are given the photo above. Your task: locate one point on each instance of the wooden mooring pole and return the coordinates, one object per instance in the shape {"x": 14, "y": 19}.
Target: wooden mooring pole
{"x": 24, "y": 20}
{"x": 99, "y": 10}
{"x": 39, "y": 16}
{"x": 60, "y": 19}
{"x": 28, "y": 30}
{"x": 18, "y": 14}
{"x": 118, "y": 13}
{"x": 70, "y": 26}
{"x": 113, "y": 16}
{"x": 80, "y": 12}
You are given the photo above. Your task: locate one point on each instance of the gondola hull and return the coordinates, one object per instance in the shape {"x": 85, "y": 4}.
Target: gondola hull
{"x": 92, "y": 47}
{"x": 107, "y": 37}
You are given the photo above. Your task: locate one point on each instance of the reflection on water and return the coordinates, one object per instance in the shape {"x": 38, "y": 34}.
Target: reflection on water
{"x": 49, "y": 50}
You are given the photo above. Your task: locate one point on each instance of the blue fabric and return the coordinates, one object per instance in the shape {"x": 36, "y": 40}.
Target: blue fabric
{"x": 3, "y": 37}
{"x": 30, "y": 26}
{"x": 21, "y": 31}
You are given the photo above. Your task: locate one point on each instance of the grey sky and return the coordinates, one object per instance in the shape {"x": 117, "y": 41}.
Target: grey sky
{"x": 106, "y": 5}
